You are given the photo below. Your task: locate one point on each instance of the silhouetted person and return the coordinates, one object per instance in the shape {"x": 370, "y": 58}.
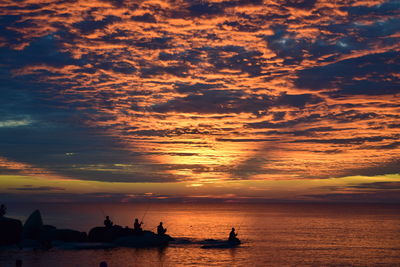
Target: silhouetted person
{"x": 161, "y": 230}
{"x": 18, "y": 263}
{"x": 103, "y": 264}
{"x": 232, "y": 235}
{"x": 108, "y": 223}
{"x": 3, "y": 210}
{"x": 137, "y": 226}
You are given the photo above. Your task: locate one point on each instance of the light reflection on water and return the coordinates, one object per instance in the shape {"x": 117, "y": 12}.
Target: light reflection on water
{"x": 274, "y": 234}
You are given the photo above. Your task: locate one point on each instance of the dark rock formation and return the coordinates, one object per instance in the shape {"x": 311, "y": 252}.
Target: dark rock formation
{"x": 10, "y": 231}
{"x": 33, "y": 226}
{"x": 50, "y": 233}
{"x": 147, "y": 239}
{"x": 108, "y": 234}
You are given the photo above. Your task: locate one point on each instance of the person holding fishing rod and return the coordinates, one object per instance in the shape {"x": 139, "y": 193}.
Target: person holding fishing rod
{"x": 137, "y": 226}
{"x": 161, "y": 230}
{"x": 233, "y": 236}
{"x": 108, "y": 223}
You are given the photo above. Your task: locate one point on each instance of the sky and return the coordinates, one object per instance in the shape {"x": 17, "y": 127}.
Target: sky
{"x": 186, "y": 100}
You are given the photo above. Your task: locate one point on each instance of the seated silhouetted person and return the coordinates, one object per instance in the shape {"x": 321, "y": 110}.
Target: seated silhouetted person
{"x": 107, "y": 222}
{"x": 137, "y": 226}
{"x": 3, "y": 210}
{"x": 233, "y": 236}
{"x": 161, "y": 230}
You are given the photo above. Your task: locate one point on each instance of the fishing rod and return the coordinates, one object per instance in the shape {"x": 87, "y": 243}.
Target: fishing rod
{"x": 101, "y": 210}
{"x": 164, "y": 223}
{"x": 145, "y": 212}
{"x": 240, "y": 225}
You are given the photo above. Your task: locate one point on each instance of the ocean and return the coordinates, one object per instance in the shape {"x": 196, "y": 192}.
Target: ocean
{"x": 272, "y": 234}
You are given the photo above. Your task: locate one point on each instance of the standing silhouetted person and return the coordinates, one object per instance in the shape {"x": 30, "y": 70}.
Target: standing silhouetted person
{"x": 3, "y": 210}
{"x": 232, "y": 235}
{"x": 108, "y": 223}
{"x": 18, "y": 263}
{"x": 103, "y": 264}
{"x": 137, "y": 226}
{"x": 161, "y": 230}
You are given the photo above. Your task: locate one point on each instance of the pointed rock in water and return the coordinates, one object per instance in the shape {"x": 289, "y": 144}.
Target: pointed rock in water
{"x": 33, "y": 225}
{"x": 10, "y": 231}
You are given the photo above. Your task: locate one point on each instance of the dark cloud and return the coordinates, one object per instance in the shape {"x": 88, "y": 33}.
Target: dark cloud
{"x": 121, "y": 67}
{"x": 89, "y": 24}
{"x": 370, "y": 197}
{"x": 302, "y": 4}
{"x": 197, "y": 87}
{"x": 154, "y": 43}
{"x": 147, "y": 17}
{"x": 38, "y": 188}
{"x": 387, "y": 8}
{"x": 205, "y": 8}
{"x": 379, "y": 185}
{"x": 356, "y": 140}
{"x": 298, "y": 101}
{"x": 285, "y": 124}
{"x": 378, "y": 71}
{"x": 231, "y": 101}
{"x": 247, "y": 61}
{"x": 171, "y": 132}
{"x": 216, "y": 101}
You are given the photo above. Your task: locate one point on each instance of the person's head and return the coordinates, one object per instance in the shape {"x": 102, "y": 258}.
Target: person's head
{"x": 107, "y": 217}
{"x": 136, "y": 220}
{"x": 160, "y": 223}
{"x": 18, "y": 263}
{"x": 103, "y": 264}
{"x": 233, "y": 229}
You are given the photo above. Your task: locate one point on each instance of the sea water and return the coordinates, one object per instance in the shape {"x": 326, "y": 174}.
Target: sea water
{"x": 272, "y": 234}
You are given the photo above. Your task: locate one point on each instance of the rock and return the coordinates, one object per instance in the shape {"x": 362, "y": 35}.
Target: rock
{"x": 103, "y": 234}
{"x": 30, "y": 243}
{"x": 147, "y": 239}
{"x": 10, "y": 231}
{"x": 33, "y": 226}
{"x": 47, "y": 227}
{"x": 51, "y": 233}
{"x": 68, "y": 235}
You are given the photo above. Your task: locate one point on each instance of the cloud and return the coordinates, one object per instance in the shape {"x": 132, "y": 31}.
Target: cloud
{"x": 376, "y": 75}
{"x": 38, "y": 188}
{"x": 182, "y": 90}
{"x": 379, "y": 185}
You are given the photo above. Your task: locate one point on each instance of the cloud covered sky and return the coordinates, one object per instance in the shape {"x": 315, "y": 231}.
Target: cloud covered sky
{"x": 234, "y": 99}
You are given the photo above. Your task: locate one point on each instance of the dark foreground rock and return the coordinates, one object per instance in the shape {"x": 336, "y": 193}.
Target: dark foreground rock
{"x": 66, "y": 235}
{"x": 127, "y": 237}
{"x": 147, "y": 239}
{"x": 104, "y": 234}
{"x": 10, "y": 231}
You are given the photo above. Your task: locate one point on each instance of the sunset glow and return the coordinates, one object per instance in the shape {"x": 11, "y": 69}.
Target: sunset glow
{"x": 236, "y": 100}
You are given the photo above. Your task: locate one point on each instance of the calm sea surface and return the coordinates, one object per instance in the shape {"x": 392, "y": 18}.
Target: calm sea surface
{"x": 273, "y": 234}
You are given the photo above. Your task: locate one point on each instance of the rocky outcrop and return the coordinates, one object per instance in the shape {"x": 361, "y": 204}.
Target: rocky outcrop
{"x": 67, "y": 235}
{"x": 33, "y": 226}
{"x": 108, "y": 234}
{"x": 10, "y": 231}
{"x": 147, "y": 239}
